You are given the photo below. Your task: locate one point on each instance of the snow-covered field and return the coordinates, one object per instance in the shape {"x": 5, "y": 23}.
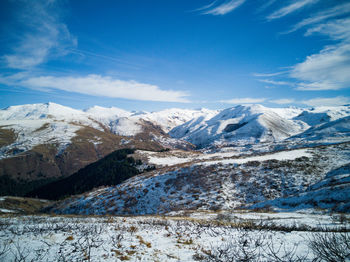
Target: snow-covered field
{"x": 178, "y": 157}
{"x": 200, "y": 237}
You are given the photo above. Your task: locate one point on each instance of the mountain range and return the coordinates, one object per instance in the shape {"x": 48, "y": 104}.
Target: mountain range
{"x": 44, "y": 143}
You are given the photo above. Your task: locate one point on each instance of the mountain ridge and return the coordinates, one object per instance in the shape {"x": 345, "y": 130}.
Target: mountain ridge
{"x": 41, "y": 142}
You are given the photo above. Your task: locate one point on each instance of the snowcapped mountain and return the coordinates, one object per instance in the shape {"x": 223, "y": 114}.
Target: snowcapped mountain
{"x": 40, "y": 142}
{"x": 36, "y": 124}
{"x": 28, "y": 126}
{"x": 45, "y": 141}
{"x": 248, "y": 124}
{"x": 328, "y": 132}
{"x": 170, "y": 118}
{"x": 321, "y": 115}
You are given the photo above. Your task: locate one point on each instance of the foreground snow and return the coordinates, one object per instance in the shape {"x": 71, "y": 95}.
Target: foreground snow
{"x": 214, "y": 237}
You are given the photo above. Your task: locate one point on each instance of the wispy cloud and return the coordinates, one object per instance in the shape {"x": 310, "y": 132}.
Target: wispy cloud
{"x": 206, "y": 6}
{"x": 292, "y": 7}
{"x": 329, "y": 69}
{"x": 246, "y": 100}
{"x": 283, "y": 101}
{"x": 278, "y": 83}
{"x": 97, "y": 85}
{"x": 319, "y": 17}
{"x": 44, "y": 35}
{"x": 334, "y": 101}
{"x": 269, "y": 74}
{"x": 222, "y": 8}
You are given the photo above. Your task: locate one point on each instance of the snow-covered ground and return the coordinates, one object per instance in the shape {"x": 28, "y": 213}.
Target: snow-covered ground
{"x": 178, "y": 157}
{"x": 55, "y": 238}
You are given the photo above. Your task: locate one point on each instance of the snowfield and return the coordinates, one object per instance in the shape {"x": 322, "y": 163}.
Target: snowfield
{"x": 213, "y": 237}
{"x": 206, "y": 159}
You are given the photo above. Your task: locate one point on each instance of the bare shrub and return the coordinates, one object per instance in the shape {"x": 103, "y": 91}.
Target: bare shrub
{"x": 20, "y": 254}
{"x": 245, "y": 247}
{"x": 4, "y": 248}
{"x": 330, "y": 246}
{"x": 281, "y": 253}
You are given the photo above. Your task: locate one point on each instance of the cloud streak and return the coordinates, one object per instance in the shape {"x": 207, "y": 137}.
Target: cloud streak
{"x": 278, "y": 83}
{"x": 294, "y": 6}
{"x": 329, "y": 69}
{"x": 44, "y": 35}
{"x": 221, "y": 9}
{"x": 336, "y": 11}
{"x": 97, "y": 85}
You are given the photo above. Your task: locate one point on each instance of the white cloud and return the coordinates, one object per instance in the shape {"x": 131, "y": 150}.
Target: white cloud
{"x": 223, "y": 8}
{"x": 97, "y": 85}
{"x": 278, "y": 83}
{"x": 292, "y": 7}
{"x": 268, "y": 74}
{"x": 330, "y": 68}
{"x": 44, "y": 35}
{"x": 334, "y": 101}
{"x": 246, "y": 100}
{"x": 266, "y": 5}
{"x": 282, "y": 101}
{"x": 338, "y": 10}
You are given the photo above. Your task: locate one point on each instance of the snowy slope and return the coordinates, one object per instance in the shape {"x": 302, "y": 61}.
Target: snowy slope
{"x": 36, "y": 124}
{"x": 332, "y": 192}
{"x": 321, "y": 115}
{"x": 226, "y": 184}
{"x": 329, "y": 132}
{"x": 51, "y": 123}
{"x": 170, "y": 118}
{"x": 248, "y": 124}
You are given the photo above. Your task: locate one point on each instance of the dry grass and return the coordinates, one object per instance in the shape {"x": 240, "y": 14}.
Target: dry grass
{"x": 7, "y": 136}
{"x": 24, "y": 205}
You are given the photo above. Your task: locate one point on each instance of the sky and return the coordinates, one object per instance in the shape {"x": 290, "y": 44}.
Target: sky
{"x": 157, "y": 54}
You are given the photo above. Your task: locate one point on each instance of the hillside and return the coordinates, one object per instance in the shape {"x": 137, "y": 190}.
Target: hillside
{"x": 237, "y": 125}
{"x": 226, "y": 183}
{"x": 110, "y": 170}
{"x": 40, "y": 143}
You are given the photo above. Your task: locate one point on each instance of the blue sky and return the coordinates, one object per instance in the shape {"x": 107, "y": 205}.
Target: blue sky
{"x": 151, "y": 55}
